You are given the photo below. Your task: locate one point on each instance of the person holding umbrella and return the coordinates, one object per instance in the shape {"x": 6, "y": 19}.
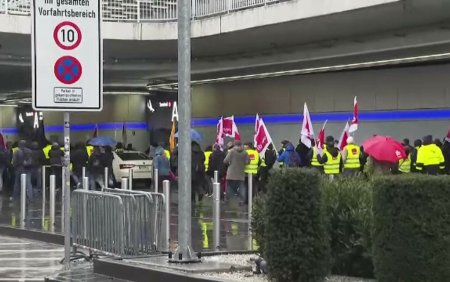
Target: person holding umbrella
{"x": 384, "y": 154}
{"x": 430, "y": 159}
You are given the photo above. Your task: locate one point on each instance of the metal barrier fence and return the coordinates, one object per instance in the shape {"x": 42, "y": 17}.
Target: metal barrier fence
{"x": 136, "y": 217}
{"x": 148, "y": 10}
{"x": 140, "y": 208}
{"x": 98, "y": 221}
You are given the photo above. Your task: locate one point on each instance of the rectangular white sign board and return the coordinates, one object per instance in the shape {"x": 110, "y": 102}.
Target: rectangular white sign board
{"x": 67, "y": 55}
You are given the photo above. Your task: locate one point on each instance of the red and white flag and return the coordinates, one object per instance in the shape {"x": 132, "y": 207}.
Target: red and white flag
{"x": 227, "y": 128}
{"x": 219, "y": 134}
{"x": 321, "y": 139}
{"x": 307, "y": 130}
{"x": 256, "y": 128}
{"x": 262, "y": 138}
{"x": 354, "y": 126}
{"x": 343, "y": 140}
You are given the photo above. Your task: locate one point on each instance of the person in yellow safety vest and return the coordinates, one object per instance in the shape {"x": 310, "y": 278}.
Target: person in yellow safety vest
{"x": 404, "y": 166}
{"x": 46, "y": 150}
{"x": 351, "y": 155}
{"x": 430, "y": 159}
{"x": 15, "y": 147}
{"x": 208, "y": 152}
{"x": 251, "y": 167}
{"x": 331, "y": 159}
{"x": 89, "y": 149}
{"x": 314, "y": 162}
{"x": 167, "y": 154}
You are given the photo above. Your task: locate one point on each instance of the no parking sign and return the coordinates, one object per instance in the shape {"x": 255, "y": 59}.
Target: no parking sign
{"x": 67, "y": 57}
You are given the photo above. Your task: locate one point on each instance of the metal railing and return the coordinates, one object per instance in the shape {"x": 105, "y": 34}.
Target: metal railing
{"x": 119, "y": 222}
{"x": 149, "y": 10}
{"x": 98, "y": 221}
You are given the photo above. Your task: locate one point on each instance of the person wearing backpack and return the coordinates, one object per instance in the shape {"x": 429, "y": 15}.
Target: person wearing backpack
{"x": 290, "y": 157}
{"x": 22, "y": 162}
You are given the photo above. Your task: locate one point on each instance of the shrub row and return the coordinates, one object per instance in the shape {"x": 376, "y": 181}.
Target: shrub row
{"x": 293, "y": 234}
{"x": 401, "y": 223}
{"x": 412, "y": 228}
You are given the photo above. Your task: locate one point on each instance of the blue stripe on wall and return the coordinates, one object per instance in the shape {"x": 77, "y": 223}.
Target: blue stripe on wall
{"x": 407, "y": 115}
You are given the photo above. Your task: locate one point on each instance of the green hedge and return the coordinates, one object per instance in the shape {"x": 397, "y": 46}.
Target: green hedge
{"x": 258, "y": 222}
{"x": 296, "y": 245}
{"x": 412, "y": 228}
{"x": 348, "y": 205}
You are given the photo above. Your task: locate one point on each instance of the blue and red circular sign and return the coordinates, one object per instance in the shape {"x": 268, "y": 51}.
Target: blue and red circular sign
{"x": 68, "y": 70}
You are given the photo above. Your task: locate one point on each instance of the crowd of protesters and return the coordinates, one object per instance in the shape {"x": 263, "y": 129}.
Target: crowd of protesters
{"x": 234, "y": 163}
{"x": 29, "y": 158}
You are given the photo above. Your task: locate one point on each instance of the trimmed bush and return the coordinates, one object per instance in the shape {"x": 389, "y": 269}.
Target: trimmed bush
{"x": 412, "y": 228}
{"x": 348, "y": 205}
{"x": 296, "y": 245}
{"x": 258, "y": 222}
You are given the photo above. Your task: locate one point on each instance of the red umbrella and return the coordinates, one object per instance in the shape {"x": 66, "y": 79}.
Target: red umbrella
{"x": 384, "y": 148}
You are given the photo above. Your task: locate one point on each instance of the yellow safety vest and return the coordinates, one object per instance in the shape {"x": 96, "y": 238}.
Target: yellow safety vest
{"x": 46, "y": 150}
{"x": 263, "y": 162}
{"x": 353, "y": 152}
{"x": 207, "y": 155}
{"x": 405, "y": 165}
{"x": 314, "y": 161}
{"x": 252, "y": 167}
{"x": 167, "y": 153}
{"x": 89, "y": 150}
{"x": 429, "y": 155}
{"x": 332, "y": 164}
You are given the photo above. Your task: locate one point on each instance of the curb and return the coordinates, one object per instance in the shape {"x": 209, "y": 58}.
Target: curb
{"x": 32, "y": 235}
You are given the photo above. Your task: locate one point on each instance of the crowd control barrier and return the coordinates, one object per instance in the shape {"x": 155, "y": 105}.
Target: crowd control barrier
{"x": 119, "y": 222}
{"x": 98, "y": 221}
{"x": 150, "y": 209}
{"x": 142, "y": 236}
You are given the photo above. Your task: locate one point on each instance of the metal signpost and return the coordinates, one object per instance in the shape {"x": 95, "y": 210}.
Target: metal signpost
{"x": 67, "y": 66}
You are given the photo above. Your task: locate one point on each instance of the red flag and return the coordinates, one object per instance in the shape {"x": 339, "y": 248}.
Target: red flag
{"x": 354, "y": 126}
{"x": 230, "y": 129}
{"x": 95, "y": 131}
{"x": 262, "y": 138}
{"x": 236, "y": 134}
{"x": 219, "y": 134}
{"x": 256, "y": 128}
{"x": 307, "y": 130}
{"x": 343, "y": 140}
{"x": 321, "y": 139}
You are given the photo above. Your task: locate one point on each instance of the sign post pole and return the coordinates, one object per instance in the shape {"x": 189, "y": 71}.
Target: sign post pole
{"x": 66, "y": 188}
{"x": 67, "y": 71}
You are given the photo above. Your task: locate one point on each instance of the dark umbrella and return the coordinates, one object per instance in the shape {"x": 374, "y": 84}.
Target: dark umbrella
{"x": 384, "y": 148}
